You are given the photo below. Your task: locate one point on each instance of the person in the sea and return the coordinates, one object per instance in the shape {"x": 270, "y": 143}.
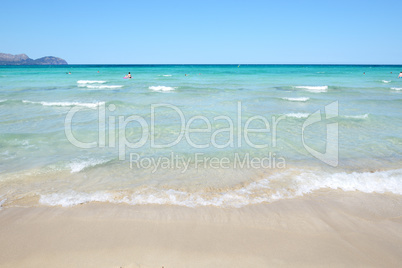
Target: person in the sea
{"x": 400, "y": 75}
{"x": 128, "y": 75}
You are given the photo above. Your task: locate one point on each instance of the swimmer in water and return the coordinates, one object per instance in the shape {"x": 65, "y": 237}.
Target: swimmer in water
{"x": 400, "y": 75}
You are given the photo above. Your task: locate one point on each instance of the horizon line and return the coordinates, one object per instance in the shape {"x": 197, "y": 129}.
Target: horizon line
{"x": 229, "y": 64}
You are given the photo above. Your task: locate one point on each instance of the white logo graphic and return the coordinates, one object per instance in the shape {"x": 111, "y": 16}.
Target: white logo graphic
{"x": 330, "y": 156}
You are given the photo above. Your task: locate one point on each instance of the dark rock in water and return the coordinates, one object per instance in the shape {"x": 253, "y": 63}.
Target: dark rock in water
{"x": 23, "y": 59}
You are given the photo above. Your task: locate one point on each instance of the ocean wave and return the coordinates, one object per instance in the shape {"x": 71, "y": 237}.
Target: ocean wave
{"x": 80, "y": 165}
{"x": 363, "y": 116}
{"x": 90, "y": 82}
{"x": 66, "y": 104}
{"x": 386, "y": 81}
{"x": 165, "y": 75}
{"x": 297, "y": 115}
{"x": 103, "y": 86}
{"x": 6, "y": 155}
{"x": 263, "y": 191}
{"x": 396, "y": 88}
{"x": 161, "y": 88}
{"x": 297, "y": 99}
{"x": 73, "y": 198}
{"x": 2, "y": 101}
{"x": 25, "y": 144}
{"x": 313, "y": 89}
{"x": 367, "y": 182}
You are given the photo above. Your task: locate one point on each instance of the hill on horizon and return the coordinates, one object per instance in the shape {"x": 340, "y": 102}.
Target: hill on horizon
{"x": 23, "y": 59}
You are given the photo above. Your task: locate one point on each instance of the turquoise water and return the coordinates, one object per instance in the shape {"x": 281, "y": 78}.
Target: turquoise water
{"x": 160, "y": 105}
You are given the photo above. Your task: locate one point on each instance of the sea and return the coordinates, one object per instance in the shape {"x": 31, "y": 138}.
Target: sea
{"x": 197, "y": 135}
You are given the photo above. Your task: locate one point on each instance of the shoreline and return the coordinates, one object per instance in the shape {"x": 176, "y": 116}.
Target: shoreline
{"x": 328, "y": 227}
{"x": 225, "y": 188}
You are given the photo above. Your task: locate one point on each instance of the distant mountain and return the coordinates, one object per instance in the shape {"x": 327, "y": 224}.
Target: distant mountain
{"x": 23, "y": 59}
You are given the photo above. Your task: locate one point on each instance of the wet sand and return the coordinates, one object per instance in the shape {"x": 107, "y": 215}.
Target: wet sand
{"x": 327, "y": 228}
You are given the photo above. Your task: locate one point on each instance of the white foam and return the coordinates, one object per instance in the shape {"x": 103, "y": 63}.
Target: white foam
{"x": 90, "y": 82}
{"x": 25, "y": 144}
{"x": 103, "y": 86}
{"x": 297, "y": 99}
{"x": 363, "y": 116}
{"x": 66, "y": 104}
{"x": 3, "y": 101}
{"x": 161, "y": 88}
{"x": 80, "y": 165}
{"x": 167, "y": 75}
{"x": 264, "y": 190}
{"x": 73, "y": 198}
{"x": 313, "y": 89}
{"x": 385, "y": 81}
{"x": 278, "y": 186}
{"x": 367, "y": 182}
{"x": 297, "y": 115}
{"x": 6, "y": 155}
{"x": 396, "y": 88}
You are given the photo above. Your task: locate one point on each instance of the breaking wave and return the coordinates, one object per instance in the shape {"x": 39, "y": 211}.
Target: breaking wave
{"x": 263, "y": 191}
{"x": 161, "y": 88}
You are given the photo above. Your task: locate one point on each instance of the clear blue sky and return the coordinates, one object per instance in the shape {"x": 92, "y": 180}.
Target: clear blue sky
{"x": 170, "y": 31}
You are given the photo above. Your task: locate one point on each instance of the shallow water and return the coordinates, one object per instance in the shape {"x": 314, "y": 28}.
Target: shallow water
{"x": 111, "y": 149}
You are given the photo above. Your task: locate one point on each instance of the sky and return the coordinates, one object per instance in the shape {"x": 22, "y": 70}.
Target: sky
{"x": 204, "y": 32}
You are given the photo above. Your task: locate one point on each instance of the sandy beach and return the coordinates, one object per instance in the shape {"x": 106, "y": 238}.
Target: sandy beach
{"x": 214, "y": 134}
{"x": 226, "y": 167}
{"x": 328, "y": 228}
